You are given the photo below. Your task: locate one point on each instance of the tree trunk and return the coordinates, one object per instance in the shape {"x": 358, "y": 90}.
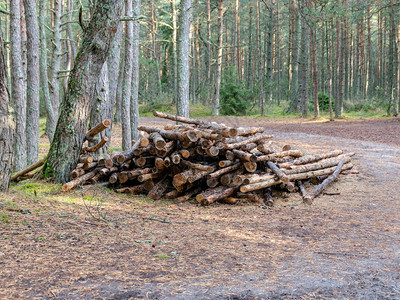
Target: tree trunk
{"x": 6, "y": 127}
{"x": 32, "y": 121}
{"x": 217, "y": 80}
{"x": 56, "y": 61}
{"x": 114, "y": 66}
{"x": 18, "y": 92}
{"x": 270, "y": 61}
{"x": 127, "y": 81}
{"x": 260, "y": 61}
{"x": 249, "y": 71}
{"x": 51, "y": 114}
{"x": 182, "y": 104}
{"x": 71, "y": 127}
{"x": 174, "y": 50}
{"x": 135, "y": 75}
{"x": 303, "y": 62}
{"x": 314, "y": 70}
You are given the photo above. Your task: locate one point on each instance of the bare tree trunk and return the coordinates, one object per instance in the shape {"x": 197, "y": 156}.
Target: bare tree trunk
{"x": 314, "y": 70}
{"x": 101, "y": 108}
{"x": 115, "y": 67}
{"x": 303, "y": 62}
{"x": 270, "y": 45}
{"x": 6, "y": 127}
{"x": 208, "y": 61}
{"x": 56, "y": 61}
{"x": 32, "y": 121}
{"x": 51, "y": 114}
{"x": 217, "y": 81}
{"x": 182, "y": 104}
{"x": 249, "y": 71}
{"x": 135, "y": 75}
{"x": 295, "y": 60}
{"x": 236, "y": 51}
{"x": 127, "y": 81}
{"x": 260, "y": 61}
{"x": 18, "y": 92}
{"x": 174, "y": 50}
{"x": 76, "y": 106}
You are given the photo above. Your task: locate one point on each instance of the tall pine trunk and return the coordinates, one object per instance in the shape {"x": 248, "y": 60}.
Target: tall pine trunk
{"x": 303, "y": 61}
{"x": 33, "y": 75}
{"x": 217, "y": 80}
{"x": 135, "y": 74}
{"x": 182, "y": 105}
{"x": 127, "y": 81}
{"x": 18, "y": 92}
{"x": 6, "y": 126}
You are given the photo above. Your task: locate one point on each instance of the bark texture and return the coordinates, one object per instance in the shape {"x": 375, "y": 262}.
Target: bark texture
{"x": 182, "y": 104}
{"x": 6, "y": 127}
{"x": 18, "y": 92}
{"x": 135, "y": 72}
{"x": 32, "y": 93}
{"x": 71, "y": 127}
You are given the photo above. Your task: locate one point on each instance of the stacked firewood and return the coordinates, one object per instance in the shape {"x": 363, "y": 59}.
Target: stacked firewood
{"x": 209, "y": 162}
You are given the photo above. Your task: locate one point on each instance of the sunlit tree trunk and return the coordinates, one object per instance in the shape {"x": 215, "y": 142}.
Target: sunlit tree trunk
{"x": 303, "y": 61}
{"x": 217, "y": 80}
{"x": 127, "y": 81}
{"x": 135, "y": 74}
{"x": 184, "y": 59}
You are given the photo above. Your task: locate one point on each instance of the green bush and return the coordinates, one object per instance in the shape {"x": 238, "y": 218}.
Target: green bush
{"x": 235, "y": 99}
{"x": 323, "y": 101}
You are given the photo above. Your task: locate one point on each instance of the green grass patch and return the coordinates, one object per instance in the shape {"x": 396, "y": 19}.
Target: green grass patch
{"x": 161, "y": 255}
{"x": 4, "y": 218}
{"x": 34, "y": 188}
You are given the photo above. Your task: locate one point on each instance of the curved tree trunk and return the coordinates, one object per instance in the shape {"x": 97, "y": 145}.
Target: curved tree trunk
{"x": 32, "y": 120}
{"x": 76, "y": 106}
{"x": 6, "y": 127}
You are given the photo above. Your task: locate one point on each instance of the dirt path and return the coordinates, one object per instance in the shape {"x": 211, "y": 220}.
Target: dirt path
{"x": 342, "y": 246}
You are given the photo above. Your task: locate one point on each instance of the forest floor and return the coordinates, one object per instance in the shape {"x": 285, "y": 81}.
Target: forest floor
{"x": 97, "y": 244}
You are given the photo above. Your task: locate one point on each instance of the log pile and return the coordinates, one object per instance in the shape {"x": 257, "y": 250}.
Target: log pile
{"x": 209, "y": 162}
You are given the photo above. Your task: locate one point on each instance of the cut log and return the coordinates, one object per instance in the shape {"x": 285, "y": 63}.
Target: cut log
{"x": 89, "y": 166}
{"x": 77, "y": 173}
{"x": 138, "y": 189}
{"x": 28, "y": 169}
{"x": 314, "y": 158}
{"x": 253, "y": 139}
{"x": 181, "y": 178}
{"x": 113, "y": 178}
{"x": 149, "y": 176}
{"x": 250, "y": 167}
{"x": 212, "y": 151}
{"x": 301, "y": 188}
{"x": 97, "y": 146}
{"x": 274, "y": 156}
{"x": 123, "y": 177}
{"x": 215, "y": 195}
{"x": 86, "y": 159}
{"x": 300, "y": 176}
{"x": 226, "y": 163}
{"x": 189, "y": 194}
{"x": 224, "y": 171}
{"x": 278, "y": 172}
{"x": 308, "y": 198}
{"x": 198, "y": 166}
{"x": 227, "y": 179}
{"x": 98, "y": 128}
{"x": 80, "y": 180}
{"x": 268, "y": 200}
{"x": 135, "y": 173}
{"x": 197, "y": 175}
{"x": 159, "y": 189}
{"x": 265, "y": 148}
{"x": 249, "y": 147}
{"x": 212, "y": 182}
{"x": 243, "y": 131}
{"x": 245, "y": 156}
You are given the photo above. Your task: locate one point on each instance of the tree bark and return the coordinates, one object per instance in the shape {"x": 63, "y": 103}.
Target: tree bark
{"x": 182, "y": 104}
{"x": 51, "y": 114}
{"x": 18, "y": 93}
{"x": 6, "y": 127}
{"x": 134, "y": 107}
{"x": 217, "y": 80}
{"x": 71, "y": 127}
{"x": 127, "y": 81}
{"x": 303, "y": 61}
{"x": 32, "y": 120}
